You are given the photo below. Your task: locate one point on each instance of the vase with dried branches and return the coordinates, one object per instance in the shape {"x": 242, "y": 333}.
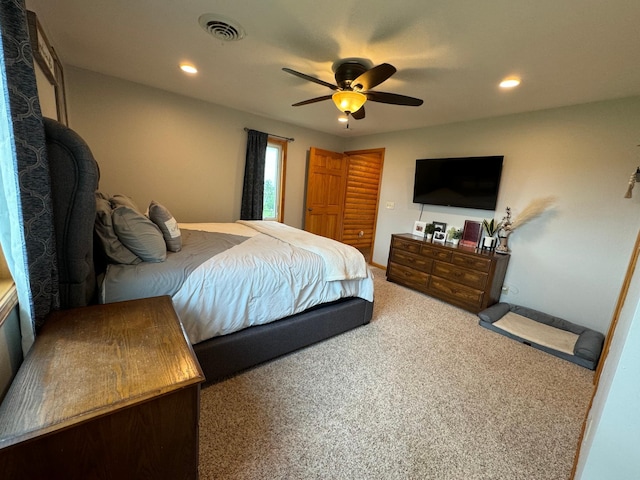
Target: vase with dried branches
{"x": 536, "y": 208}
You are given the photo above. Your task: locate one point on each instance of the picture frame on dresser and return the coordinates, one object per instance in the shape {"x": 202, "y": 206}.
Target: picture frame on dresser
{"x": 440, "y": 226}
{"x": 471, "y": 234}
{"x": 439, "y": 237}
{"x": 418, "y": 228}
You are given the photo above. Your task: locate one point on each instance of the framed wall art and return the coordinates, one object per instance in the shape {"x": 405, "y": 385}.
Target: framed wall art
{"x": 42, "y": 51}
{"x": 47, "y": 59}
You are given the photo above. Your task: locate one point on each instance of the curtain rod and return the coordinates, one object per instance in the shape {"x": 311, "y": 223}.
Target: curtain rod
{"x": 288, "y": 139}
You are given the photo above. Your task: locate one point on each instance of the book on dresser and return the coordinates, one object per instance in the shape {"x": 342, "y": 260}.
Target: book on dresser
{"x": 467, "y": 277}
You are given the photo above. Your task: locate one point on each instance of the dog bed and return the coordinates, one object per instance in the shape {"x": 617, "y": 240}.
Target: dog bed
{"x": 559, "y": 337}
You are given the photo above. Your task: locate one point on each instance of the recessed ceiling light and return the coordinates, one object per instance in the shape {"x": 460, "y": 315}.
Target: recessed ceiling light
{"x": 510, "y": 82}
{"x": 188, "y": 68}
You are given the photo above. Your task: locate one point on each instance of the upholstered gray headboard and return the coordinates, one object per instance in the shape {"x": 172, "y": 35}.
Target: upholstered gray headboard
{"x": 74, "y": 181}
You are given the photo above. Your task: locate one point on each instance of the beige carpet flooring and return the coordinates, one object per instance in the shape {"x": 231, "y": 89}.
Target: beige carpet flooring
{"x": 423, "y": 392}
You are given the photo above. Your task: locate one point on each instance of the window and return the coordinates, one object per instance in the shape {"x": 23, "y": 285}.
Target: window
{"x": 274, "y": 169}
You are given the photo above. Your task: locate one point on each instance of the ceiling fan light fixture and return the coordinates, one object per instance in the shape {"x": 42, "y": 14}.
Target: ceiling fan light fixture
{"x": 343, "y": 118}
{"x": 349, "y": 101}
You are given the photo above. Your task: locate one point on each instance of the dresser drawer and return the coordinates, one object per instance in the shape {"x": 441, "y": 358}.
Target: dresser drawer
{"x": 470, "y": 278}
{"x": 475, "y": 263}
{"x": 467, "y": 295}
{"x": 411, "y": 260}
{"x": 408, "y": 276}
{"x": 435, "y": 253}
{"x": 406, "y": 245}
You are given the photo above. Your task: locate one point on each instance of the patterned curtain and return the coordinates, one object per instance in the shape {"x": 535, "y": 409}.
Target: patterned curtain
{"x": 26, "y": 223}
{"x": 253, "y": 190}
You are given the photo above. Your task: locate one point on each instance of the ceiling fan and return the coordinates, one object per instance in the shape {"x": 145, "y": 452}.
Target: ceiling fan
{"x": 354, "y": 83}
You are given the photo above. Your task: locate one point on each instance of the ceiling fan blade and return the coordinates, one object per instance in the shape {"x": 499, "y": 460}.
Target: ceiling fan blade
{"x": 312, "y": 100}
{"x": 374, "y": 76}
{"x": 359, "y": 114}
{"x": 393, "y": 98}
{"x": 311, "y": 79}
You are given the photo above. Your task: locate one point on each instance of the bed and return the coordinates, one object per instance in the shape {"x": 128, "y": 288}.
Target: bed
{"x": 86, "y": 276}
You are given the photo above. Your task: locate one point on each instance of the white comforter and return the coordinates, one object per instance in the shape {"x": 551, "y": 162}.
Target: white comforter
{"x": 341, "y": 262}
{"x": 264, "y": 279}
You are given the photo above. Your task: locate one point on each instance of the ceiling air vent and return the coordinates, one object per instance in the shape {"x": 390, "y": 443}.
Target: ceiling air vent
{"x": 221, "y": 28}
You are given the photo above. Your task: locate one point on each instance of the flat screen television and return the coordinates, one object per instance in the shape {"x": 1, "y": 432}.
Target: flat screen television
{"x": 467, "y": 182}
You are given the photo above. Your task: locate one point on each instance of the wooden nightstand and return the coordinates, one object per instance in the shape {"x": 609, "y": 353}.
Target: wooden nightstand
{"x": 107, "y": 391}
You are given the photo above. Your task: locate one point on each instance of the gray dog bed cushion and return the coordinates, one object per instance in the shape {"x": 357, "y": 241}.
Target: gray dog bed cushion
{"x": 554, "y": 335}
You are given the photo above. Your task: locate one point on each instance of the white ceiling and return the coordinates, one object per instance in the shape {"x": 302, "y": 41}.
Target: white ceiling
{"x": 450, "y": 53}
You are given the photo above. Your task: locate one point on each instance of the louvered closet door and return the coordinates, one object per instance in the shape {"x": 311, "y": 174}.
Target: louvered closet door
{"x": 362, "y": 194}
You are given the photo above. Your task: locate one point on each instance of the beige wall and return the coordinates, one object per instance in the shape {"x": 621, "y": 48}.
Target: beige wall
{"x": 184, "y": 153}
{"x": 570, "y": 262}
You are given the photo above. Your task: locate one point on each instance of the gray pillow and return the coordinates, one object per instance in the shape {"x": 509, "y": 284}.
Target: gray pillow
{"x": 113, "y": 248}
{"x": 139, "y": 234}
{"x": 159, "y": 215}
{"x": 123, "y": 201}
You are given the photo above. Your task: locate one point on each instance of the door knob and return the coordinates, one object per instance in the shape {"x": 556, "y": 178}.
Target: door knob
{"x": 310, "y": 209}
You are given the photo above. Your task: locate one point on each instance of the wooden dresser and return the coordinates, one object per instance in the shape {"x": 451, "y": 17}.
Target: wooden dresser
{"x": 467, "y": 277}
{"x": 107, "y": 391}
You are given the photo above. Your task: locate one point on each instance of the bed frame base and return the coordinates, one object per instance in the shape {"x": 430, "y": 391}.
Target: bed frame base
{"x": 224, "y": 356}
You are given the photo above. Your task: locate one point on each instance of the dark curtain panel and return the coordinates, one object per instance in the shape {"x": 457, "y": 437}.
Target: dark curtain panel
{"x": 26, "y": 173}
{"x": 253, "y": 190}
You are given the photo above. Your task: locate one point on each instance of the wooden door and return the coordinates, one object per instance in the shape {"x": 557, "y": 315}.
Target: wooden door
{"x": 343, "y": 192}
{"x": 326, "y": 181}
{"x": 362, "y": 196}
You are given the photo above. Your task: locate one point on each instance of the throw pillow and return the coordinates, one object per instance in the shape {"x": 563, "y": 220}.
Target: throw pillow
{"x": 139, "y": 234}
{"x": 113, "y": 248}
{"x": 167, "y": 225}
{"x": 123, "y": 201}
